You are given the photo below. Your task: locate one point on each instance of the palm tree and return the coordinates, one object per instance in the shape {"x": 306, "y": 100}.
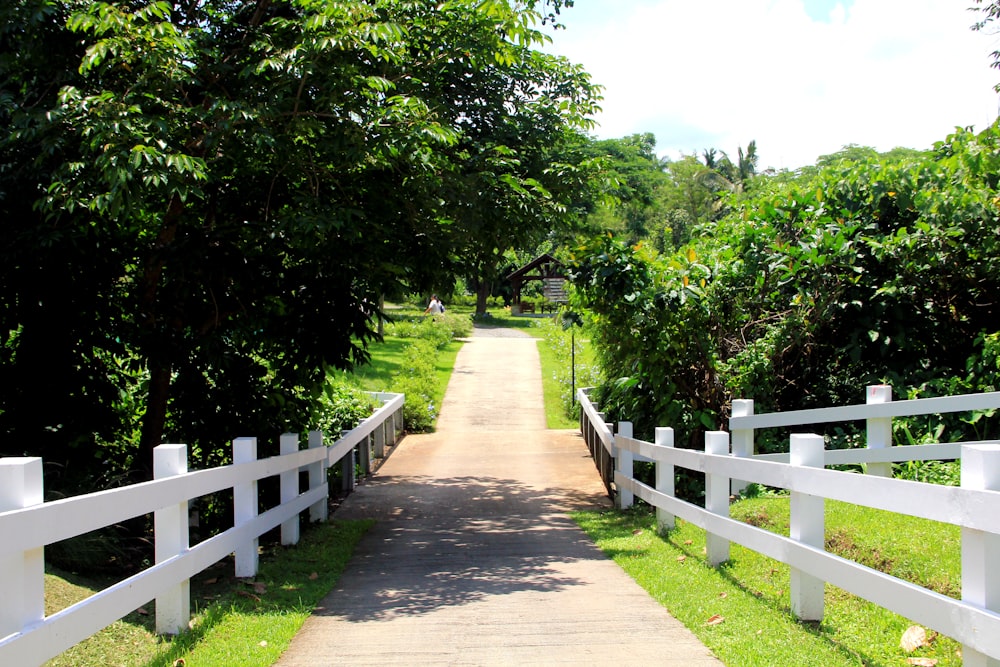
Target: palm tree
{"x": 720, "y": 172}
{"x": 747, "y": 163}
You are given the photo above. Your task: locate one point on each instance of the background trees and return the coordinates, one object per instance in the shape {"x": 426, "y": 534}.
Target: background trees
{"x": 872, "y": 268}
{"x": 637, "y": 181}
{"x": 205, "y": 201}
{"x": 660, "y": 201}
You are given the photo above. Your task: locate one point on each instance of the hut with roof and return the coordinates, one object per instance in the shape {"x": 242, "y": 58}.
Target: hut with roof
{"x": 549, "y": 271}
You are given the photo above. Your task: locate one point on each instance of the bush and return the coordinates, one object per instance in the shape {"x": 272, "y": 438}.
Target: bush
{"x": 946, "y": 473}
{"x": 882, "y": 270}
{"x": 425, "y": 336}
{"x": 438, "y": 329}
{"x": 342, "y": 406}
{"x": 458, "y": 324}
{"x": 417, "y": 382}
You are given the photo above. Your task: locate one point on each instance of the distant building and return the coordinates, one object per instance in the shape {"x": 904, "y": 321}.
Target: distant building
{"x": 547, "y": 269}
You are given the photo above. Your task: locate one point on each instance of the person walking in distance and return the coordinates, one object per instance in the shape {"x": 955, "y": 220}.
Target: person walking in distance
{"x": 435, "y": 307}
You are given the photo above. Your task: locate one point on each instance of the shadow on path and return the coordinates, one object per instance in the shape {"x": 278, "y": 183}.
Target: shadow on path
{"x": 459, "y": 540}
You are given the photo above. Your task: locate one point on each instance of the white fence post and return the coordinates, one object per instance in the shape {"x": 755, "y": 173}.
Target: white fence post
{"x": 879, "y": 430}
{"x": 664, "y": 437}
{"x": 245, "y": 507}
{"x": 742, "y": 438}
{"x": 319, "y": 512}
{"x": 365, "y": 454}
{"x": 379, "y": 435}
{"x": 807, "y": 525}
{"x": 624, "y": 460}
{"x": 980, "y": 549}
{"x": 608, "y": 459}
{"x": 397, "y": 424}
{"x": 22, "y": 575}
{"x": 716, "y": 497}
{"x": 170, "y": 535}
{"x": 288, "y": 443}
{"x": 397, "y": 420}
{"x": 347, "y": 471}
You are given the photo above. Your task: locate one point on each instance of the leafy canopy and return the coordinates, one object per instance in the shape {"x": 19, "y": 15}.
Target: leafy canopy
{"x": 205, "y": 201}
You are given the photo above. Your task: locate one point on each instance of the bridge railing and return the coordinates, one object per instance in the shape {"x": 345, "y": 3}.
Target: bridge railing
{"x": 974, "y": 507}
{"x": 29, "y": 637}
{"x": 599, "y": 436}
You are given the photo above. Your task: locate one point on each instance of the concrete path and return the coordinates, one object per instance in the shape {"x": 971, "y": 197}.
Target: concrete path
{"x": 474, "y": 560}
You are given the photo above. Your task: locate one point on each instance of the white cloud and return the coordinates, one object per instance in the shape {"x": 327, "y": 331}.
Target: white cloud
{"x": 881, "y": 73}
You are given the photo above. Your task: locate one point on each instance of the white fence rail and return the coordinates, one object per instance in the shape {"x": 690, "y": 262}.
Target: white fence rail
{"x": 28, "y": 637}
{"x": 975, "y": 506}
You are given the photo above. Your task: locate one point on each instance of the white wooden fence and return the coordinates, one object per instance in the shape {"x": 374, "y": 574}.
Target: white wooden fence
{"x": 27, "y": 524}
{"x": 975, "y": 506}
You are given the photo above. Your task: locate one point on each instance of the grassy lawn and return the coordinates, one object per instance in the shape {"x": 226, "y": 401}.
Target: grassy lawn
{"x": 234, "y": 621}
{"x": 750, "y": 591}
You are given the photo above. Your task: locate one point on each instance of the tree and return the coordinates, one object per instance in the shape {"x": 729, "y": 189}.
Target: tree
{"x": 228, "y": 188}
{"x": 722, "y": 174}
{"x": 989, "y": 13}
{"x": 637, "y": 180}
{"x": 688, "y": 193}
{"x": 517, "y": 171}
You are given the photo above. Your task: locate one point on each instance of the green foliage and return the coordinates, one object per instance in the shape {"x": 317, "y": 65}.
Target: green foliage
{"x": 871, "y": 269}
{"x": 636, "y": 182}
{"x": 204, "y": 203}
{"x": 416, "y": 380}
{"x": 946, "y": 473}
{"x": 342, "y": 406}
{"x": 439, "y": 329}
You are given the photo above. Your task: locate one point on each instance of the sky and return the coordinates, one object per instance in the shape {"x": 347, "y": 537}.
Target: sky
{"x": 803, "y": 78}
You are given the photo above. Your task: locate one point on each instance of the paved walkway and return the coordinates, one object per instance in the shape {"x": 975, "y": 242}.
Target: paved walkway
{"x": 474, "y": 560}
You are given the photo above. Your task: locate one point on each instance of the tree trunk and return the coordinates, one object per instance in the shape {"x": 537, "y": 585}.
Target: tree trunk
{"x": 482, "y": 294}
{"x": 155, "y": 420}
{"x": 381, "y": 318}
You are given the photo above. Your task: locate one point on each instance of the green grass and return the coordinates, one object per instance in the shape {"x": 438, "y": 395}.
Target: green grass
{"x": 750, "y": 591}
{"x": 554, "y": 351}
{"x": 387, "y": 360}
{"x": 443, "y": 366}
{"x": 553, "y": 388}
{"x": 234, "y": 621}
{"x": 503, "y": 319}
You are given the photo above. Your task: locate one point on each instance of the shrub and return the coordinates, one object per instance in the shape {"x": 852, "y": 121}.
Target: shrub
{"x": 439, "y": 329}
{"x": 417, "y": 382}
{"x": 342, "y": 406}
{"x": 946, "y": 473}
{"x": 458, "y": 324}
{"x": 882, "y": 270}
